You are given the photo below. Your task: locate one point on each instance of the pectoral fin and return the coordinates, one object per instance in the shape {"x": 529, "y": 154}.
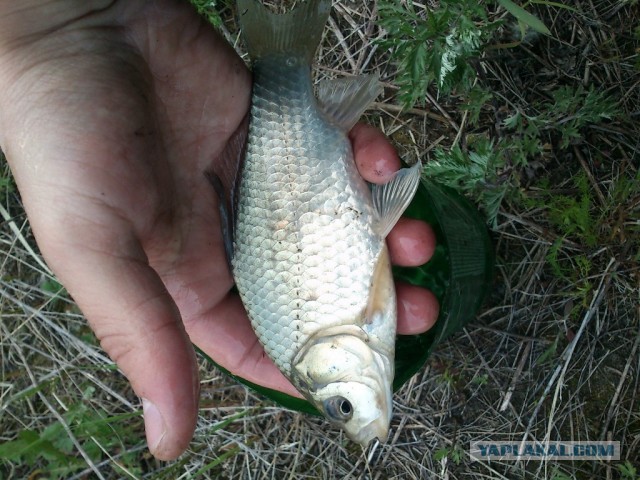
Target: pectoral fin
{"x": 391, "y": 199}
{"x": 225, "y": 215}
{"x": 224, "y": 175}
{"x": 344, "y": 100}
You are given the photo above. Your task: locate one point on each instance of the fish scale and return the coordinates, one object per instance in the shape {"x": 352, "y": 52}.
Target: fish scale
{"x": 304, "y": 246}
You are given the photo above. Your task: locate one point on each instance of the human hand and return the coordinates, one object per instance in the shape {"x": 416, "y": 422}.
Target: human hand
{"x": 109, "y": 117}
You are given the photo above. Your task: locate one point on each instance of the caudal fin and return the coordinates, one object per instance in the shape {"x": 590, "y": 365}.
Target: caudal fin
{"x": 297, "y": 32}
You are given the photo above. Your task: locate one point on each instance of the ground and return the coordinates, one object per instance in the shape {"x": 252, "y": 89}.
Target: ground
{"x": 542, "y": 132}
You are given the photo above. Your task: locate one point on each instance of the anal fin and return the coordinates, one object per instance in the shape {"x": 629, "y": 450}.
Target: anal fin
{"x": 391, "y": 199}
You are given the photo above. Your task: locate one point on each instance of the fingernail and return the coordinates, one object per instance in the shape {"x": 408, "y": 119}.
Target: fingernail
{"x": 153, "y": 425}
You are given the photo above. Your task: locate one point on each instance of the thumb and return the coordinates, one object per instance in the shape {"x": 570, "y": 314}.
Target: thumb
{"x": 137, "y": 323}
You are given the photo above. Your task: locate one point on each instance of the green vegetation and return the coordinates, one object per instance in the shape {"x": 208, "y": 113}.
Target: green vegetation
{"x": 628, "y": 471}
{"x": 544, "y": 140}
{"x": 558, "y": 475}
{"x": 81, "y": 427}
{"x": 434, "y": 47}
{"x": 7, "y": 185}
{"x": 210, "y": 9}
{"x": 454, "y": 454}
{"x": 444, "y": 49}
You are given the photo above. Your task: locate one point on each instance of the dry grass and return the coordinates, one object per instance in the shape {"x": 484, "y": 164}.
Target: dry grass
{"x": 551, "y": 356}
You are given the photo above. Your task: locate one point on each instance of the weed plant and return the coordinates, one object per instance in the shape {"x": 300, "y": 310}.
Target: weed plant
{"x": 444, "y": 50}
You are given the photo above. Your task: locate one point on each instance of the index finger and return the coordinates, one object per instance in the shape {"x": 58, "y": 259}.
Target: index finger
{"x": 376, "y": 159}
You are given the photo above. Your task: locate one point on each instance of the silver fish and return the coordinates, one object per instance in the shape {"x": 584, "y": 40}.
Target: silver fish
{"x": 309, "y": 255}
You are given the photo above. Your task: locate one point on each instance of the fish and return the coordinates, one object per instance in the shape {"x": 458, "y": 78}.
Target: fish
{"x": 307, "y": 237}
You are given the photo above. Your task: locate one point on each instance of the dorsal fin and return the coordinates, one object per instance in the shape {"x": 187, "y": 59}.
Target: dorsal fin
{"x": 344, "y": 100}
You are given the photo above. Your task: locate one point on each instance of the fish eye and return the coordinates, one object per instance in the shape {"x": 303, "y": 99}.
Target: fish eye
{"x": 338, "y": 408}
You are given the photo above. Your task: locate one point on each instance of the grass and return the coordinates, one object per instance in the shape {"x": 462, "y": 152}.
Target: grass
{"x": 540, "y": 130}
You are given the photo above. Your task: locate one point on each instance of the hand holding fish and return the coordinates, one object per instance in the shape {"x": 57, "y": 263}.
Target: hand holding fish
{"x": 108, "y": 117}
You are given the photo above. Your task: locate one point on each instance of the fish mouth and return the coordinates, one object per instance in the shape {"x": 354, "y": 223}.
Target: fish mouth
{"x": 377, "y": 429}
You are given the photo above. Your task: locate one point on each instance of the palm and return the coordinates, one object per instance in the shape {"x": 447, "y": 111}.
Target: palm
{"x": 133, "y": 140}
{"x": 202, "y": 103}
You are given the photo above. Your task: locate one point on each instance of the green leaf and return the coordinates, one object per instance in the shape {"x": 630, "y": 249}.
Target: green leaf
{"x": 227, "y": 421}
{"x": 30, "y": 445}
{"x": 555, "y": 4}
{"x": 435, "y": 45}
{"x": 52, "y": 286}
{"x": 627, "y": 470}
{"x": 549, "y": 353}
{"x": 477, "y": 98}
{"x": 217, "y": 461}
{"x": 209, "y": 9}
{"x": 440, "y": 454}
{"x": 6, "y": 185}
{"x": 15, "y": 449}
{"x": 524, "y": 17}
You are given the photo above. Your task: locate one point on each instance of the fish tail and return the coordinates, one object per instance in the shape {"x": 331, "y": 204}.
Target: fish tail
{"x": 297, "y": 32}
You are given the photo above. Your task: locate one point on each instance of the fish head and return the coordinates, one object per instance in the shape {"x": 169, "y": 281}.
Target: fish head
{"x": 349, "y": 382}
